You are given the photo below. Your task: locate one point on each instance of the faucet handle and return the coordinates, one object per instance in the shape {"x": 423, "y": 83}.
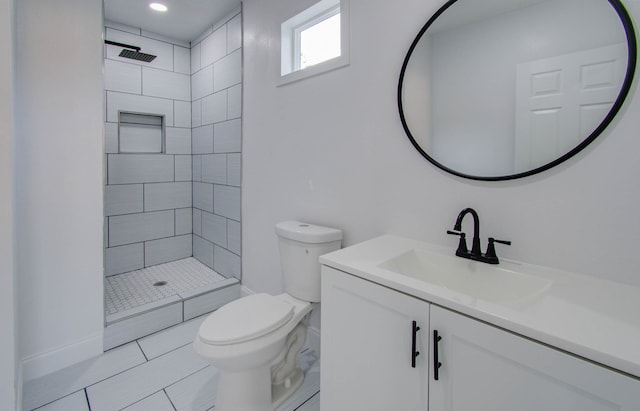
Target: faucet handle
{"x": 462, "y": 245}
{"x": 491, "y": 249}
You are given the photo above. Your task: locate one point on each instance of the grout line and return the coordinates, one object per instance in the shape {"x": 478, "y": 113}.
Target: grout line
{"x": 169, "y": 398}
{"x": 86, "y": 396}
{"x": 143, "y": 353}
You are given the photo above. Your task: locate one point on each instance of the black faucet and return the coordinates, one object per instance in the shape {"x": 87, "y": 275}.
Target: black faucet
{"x": 490, "y": 256}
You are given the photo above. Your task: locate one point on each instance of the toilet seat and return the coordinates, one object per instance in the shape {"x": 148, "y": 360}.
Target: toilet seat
{"x": 245, "y": 319}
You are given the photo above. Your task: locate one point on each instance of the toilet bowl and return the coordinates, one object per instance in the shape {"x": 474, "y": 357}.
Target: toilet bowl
{"x": 255, "y": 341}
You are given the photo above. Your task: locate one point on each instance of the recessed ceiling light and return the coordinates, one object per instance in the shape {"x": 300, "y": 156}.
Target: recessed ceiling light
{"x": 158, "y": 7}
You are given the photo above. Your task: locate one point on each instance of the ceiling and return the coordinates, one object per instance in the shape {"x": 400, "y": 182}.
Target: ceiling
{"x": 185, "y": 20}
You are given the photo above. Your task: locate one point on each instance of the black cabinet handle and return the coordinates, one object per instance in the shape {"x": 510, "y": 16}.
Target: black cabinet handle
{"x": 414, "y": 352}
{"x": 436, "y": 364}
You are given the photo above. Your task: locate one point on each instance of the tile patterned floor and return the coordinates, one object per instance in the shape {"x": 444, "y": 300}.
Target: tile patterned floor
{"x": 129, "y": 290}
{"x": 155, "y": 373}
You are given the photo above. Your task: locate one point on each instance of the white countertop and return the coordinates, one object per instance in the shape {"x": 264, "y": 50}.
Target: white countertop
{"x": 592, "y": 318}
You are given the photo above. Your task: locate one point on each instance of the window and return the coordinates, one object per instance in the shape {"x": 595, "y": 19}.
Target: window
{"x": 315, "y": 41}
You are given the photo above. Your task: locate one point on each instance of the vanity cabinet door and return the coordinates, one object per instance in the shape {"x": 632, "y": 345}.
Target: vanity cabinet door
{"x": 485, "y": 368}
{"x": 366, "y": 346}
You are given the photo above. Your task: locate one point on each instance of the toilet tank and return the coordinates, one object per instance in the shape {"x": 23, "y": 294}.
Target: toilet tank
{"x": 301, "y": 244}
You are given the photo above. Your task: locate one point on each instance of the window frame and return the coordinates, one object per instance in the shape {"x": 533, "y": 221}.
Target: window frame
{"x": 290, "y": 70}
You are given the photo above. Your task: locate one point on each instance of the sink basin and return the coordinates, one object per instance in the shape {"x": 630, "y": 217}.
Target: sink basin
{"x": 492, "y": 283}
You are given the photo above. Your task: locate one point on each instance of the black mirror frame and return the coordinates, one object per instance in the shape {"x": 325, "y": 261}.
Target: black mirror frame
{"x": 624, "y": 91}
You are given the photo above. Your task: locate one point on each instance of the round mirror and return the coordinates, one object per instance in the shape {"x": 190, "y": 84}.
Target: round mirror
{"x": 502, "y": 89}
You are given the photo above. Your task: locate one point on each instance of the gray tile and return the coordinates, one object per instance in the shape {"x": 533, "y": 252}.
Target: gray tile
{"x": 123, "y": 259}
{"x": 139, "y": 168}
{"x": 312, "y": 404}
{"x": 203, "y": 251}
{"x": 182, "y": 114}
{"x": 184, "y": 221}
{"x": 234, "y": 237}
{"x": 202, "y": 140}
{"x": 142, "y": 309}
{"x": 134, "y": 228}
{"x": 234, "y": 169}
{"x": 203, "y": 196}
{"x": 197, "y": 221}
{"x": 122, "y": 77}
{"x": 227, "y": 137}
{"x": 167, "y": 340}
{"x": 110, "y": 138}
{"x": 214, "y": 168}
{"x": 177, "y": 140}
{"x": 74, "y": 402}
{"x": 196, "y": 163}
{"x": 214, "y": 228}
{"x": 167, "y": 249}
{"x": 138, "y": 326}
{"x": 156, "y": 402}
{"x": 166, "y": 84}
{"x": 122, "y": 199}
{"x": 144, "y": 380}
{"x": 182, "y": 60}
{"x": 132, "y": 103}
{"x": 234, "y": 101}
{"x": 202, "y": 83}
{"x": 195, "y": 56}
{"x": 226, "y": 201}
{"x": 214, "y": 107}
{"x": 64, "y": 382}
{"x": 214, "y": 47}
{"x": 196, "y": 392}
{"x": 226, "y": 263}
{"x": 205, "y": 303}
{"x": 227, "y": 71}
{"x": 183, "y": 168}
{"x": 165, "y": 196}
{"x": 234, "y": 33}
{"x": 196, "y": 113}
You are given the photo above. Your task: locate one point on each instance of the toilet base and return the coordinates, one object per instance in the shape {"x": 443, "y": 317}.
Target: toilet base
{"x": 245, "y": 390}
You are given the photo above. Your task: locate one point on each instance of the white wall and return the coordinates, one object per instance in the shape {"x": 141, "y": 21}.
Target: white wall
{"x": 59, "y": 123}
{"x": 7, "y": 274}
{"x": 331, "y": 150}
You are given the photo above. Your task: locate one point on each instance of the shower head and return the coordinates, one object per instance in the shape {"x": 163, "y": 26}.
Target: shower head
{"x": 133, "y": 52}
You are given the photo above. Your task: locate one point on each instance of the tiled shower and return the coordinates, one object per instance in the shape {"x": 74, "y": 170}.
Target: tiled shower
{"x": 172, "y": 178}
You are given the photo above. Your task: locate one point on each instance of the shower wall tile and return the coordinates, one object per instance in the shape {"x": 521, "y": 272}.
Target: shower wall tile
{"x": 234, "y": 34}
{"x": 182, "y": 60}
{"x": 214, "y": 168}
{"x": 138, "y": 104}
{"x": 214, "y": 47}
{"x": 177, "y": 140}
{"x": 234, "y": 101}
{"x": 196, "y": 113}
{"x": 184, "y": 221}
{"x": 122, "y": 27}
{"x": 202, "y": 83}
{"x": 227, "y": 71}
{"x": 110, "y": 138}
{"x": 214, "y": 107}
{"x": 227, "y": 137}
{"x": 195, "y": 58}
{"x": 123, "y": 77}
{"x": 214, "y": 228}
{"x": 123, "y": 199}
{"x": 165, "y": 84}
{"x": 183, "y": 168}
{"x": 162, "y": 50}
{"x": 182, "y": 114}
{"x": 234, "y": 169}
{"x": 197, "y": 221}
{"x": 140, "y": 168}
{"x": 167, "y": 249}
{"x": 164, "y": 38}
{"x": 202, "y": 140}
{"x": 135, "y": 228}
{"x": 226, "y": 201}
{"x": 233, "y": 237}
{"x": 124, "y": 258}
{"x": 196, "y": 162}
{"x": 226, "y": 263}
{"x": 203, "y": 251}
{"x": 203, "y": 196}
{"x": 165, "y": 196}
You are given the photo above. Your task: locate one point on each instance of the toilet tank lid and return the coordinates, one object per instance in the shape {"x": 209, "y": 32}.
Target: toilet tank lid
{"x": 307, "y": 233}
{"x": 245, "y": 319}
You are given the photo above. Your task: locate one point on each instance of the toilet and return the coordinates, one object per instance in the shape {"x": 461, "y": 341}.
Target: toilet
{"x": 255, "y": 341}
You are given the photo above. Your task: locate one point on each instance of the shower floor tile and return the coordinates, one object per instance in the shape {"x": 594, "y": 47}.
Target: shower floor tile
{"x": 136, "y": 288}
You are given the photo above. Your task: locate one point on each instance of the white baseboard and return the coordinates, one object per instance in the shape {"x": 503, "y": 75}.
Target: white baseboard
{"x": 38, "y": 365}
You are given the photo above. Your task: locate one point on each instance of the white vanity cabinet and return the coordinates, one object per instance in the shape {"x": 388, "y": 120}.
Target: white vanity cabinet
{"x": 366, "y": 358}
{"x": 487, "y": 368}
{"x": 366, "y": 346}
